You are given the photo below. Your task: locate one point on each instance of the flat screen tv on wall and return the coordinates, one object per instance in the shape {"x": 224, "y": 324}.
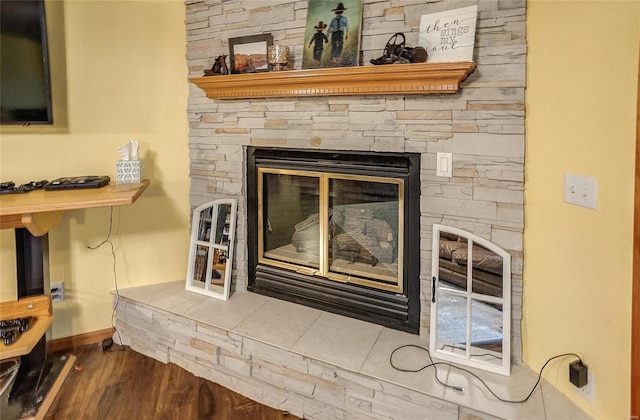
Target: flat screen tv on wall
{"x": 25, "y": 85}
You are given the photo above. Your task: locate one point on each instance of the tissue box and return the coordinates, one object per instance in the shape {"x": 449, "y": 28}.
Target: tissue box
{"x": 129, "y": 171}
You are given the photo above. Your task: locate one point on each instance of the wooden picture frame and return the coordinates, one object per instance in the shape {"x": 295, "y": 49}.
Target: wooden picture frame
{"x": 248, "y": 54}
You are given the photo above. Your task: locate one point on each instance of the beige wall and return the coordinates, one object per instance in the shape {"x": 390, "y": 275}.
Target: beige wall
{"x": 581, "y": 107}
{"x": 126, "y": 79}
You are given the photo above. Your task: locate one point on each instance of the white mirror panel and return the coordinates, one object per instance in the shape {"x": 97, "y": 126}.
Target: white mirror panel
{"x": 470, "y": 309}
{"x": 211, "y": 248}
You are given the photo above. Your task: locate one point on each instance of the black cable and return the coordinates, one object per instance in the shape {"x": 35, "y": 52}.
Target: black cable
{"x": 115, "y": 274}
{"x": 431, "y": 363}
{"x": 459, "y": 388}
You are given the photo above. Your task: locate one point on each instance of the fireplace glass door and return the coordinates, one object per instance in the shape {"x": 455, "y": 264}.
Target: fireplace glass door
{"x": 342, "y": 227}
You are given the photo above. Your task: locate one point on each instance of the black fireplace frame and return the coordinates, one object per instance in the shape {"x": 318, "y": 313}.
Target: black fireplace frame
{"x": 397, "y": 311}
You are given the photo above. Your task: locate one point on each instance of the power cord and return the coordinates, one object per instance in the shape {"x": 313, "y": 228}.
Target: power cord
{"x": 459, "y": 388}
{"x": 107, "y": 343}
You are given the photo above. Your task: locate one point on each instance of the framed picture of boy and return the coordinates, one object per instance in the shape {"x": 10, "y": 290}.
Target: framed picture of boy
{"x": 332, "y": 34}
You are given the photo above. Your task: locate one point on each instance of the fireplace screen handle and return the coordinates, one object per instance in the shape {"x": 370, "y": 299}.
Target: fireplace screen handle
{"x": 433, "y": 289}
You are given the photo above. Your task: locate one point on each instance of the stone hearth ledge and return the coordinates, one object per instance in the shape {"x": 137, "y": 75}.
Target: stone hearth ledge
{"x": 315, "y": 364}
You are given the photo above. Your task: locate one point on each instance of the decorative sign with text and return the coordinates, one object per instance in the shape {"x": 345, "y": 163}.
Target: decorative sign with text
{"x": 449, "y": 36}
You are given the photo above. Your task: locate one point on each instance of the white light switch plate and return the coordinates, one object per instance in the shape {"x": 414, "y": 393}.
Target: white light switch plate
{"x": 580, "y": 190}
{"x": 444, "y": 164}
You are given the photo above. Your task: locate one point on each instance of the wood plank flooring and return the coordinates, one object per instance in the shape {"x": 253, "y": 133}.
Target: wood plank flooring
{"x": 120, "y": 384}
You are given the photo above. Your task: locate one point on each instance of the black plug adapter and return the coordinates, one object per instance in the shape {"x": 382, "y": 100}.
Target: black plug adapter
{"x": 578, "y": 374}
{"x": 106, "y": 344}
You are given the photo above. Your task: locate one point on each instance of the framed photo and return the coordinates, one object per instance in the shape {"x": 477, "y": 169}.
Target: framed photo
{"x": 248, "y": 54}
{"x": 332, "y": 34}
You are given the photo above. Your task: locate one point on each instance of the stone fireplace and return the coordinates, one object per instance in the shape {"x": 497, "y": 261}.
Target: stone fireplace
{"x": 337, "y": 231}
{"x": 482, "y": 126}
{"x": 313, "y": 363}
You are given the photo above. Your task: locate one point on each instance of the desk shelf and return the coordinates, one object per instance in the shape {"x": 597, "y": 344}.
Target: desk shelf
{"x": 39, "y": 211}
{"x": 37, "y": 307}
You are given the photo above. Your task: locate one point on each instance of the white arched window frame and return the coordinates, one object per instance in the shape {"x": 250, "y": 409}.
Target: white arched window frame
{"x": 211, "y": 249}
{"x": 462, "y": 314}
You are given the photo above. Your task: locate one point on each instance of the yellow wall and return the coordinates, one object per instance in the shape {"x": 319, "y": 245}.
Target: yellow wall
{"x": 581, "y": 105}
{"x": 126, "y": 79}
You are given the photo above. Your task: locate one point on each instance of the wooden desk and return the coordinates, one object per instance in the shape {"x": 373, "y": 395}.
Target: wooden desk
{"x": 40, "y": 210}
{"x": 32, "y": 215}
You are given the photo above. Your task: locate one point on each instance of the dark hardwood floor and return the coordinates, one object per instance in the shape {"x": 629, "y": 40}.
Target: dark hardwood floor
{"x": 120, "y": 384}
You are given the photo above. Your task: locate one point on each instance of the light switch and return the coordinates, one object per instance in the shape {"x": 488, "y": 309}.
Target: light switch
{"x": 444, "y": 164}
{"x": 580, "y": 190}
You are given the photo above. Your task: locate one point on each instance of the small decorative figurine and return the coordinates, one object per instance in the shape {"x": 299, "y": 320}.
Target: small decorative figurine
{"x": 219, "y": 67}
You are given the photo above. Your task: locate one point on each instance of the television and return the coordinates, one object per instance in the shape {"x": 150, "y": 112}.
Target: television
{"x": 25, "y": 82}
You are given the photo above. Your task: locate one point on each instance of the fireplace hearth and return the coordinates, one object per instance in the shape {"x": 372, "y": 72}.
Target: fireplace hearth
{"x": 337, "y": 231}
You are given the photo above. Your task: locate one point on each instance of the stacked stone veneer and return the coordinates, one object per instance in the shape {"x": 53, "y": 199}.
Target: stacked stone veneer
{"x": 483, "y": 125}
{"x": 291, "y": 382}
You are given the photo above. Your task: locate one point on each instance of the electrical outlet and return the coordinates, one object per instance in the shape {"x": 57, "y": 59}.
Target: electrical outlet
{"x": 587, "y": 390}
{"x": 57, "y": 292}
{"x": 580, "y": 190}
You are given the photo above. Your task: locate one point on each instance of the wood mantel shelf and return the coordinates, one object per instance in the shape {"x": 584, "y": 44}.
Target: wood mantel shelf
{"x": 400, "y": 79}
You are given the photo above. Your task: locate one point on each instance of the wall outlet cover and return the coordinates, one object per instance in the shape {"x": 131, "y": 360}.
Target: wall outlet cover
{"x": 580, "y": 190}
{"x": 587, "y": 391}
{"x": 57, "y": 292}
